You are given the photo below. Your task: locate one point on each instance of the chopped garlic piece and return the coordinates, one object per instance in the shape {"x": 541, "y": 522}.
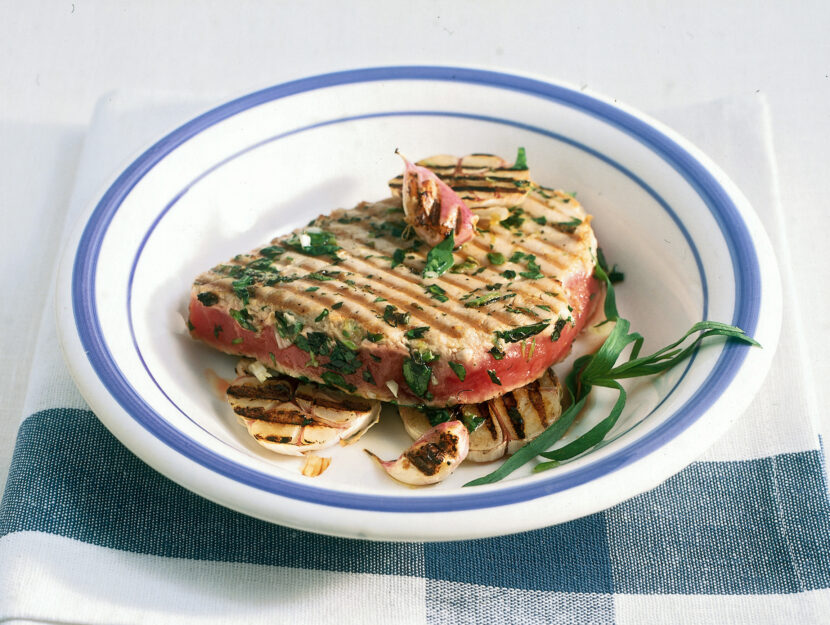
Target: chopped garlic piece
{"x": 259, "y": 370}
{"x": 393, "y": 386}
{"x": 315, "y": 465}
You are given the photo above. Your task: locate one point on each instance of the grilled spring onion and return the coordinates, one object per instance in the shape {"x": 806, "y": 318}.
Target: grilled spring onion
{"x": 600, "y": 369}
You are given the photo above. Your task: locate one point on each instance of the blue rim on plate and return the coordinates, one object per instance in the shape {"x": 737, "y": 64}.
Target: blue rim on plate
{"x": 745, "y": 266}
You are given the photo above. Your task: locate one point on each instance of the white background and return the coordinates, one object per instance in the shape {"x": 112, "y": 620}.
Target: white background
{"x": 58, "y": 58}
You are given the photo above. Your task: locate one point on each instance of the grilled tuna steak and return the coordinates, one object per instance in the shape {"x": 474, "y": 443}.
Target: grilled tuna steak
{"x": 343, "y": 301}
{"x": 290, "y": 417}
{"x": 502, "y": 425}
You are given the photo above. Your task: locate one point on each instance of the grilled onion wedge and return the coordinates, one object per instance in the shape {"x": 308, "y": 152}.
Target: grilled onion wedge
{"x": 508, "y": 422}
{"x": 291, "y": 417}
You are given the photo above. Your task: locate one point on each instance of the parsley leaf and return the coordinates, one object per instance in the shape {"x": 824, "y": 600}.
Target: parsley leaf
{"x": 459, "y": 370}
{"x": 521, "y": 160}
{"x": 439, "y": 258}
{"x": 520, "y": 334}
{"x": 417, "y": 333}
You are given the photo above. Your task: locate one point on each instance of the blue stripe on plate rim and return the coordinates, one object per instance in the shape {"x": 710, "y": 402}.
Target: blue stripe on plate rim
{"x": 746, "y": 272}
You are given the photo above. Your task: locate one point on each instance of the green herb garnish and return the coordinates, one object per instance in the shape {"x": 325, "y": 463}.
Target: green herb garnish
{"x": 207, "y": 298}
{"x": 374, "y": 338}
{"x": 459, "y": 370}
{"x": 533, "y": 272}
{"x": 496, "y": 353}
{"x": 469, "y": 264}
{"x": 417, "y": 374}
{"x": 557, "y": 329}
{"x": 322, "y": 315}
{"x": 520, "y": 334}
{"x": 514, "y": 221}
{"x": 494, "y": 378}
{"x": 319, "y": 243}
{"x": 521, "y": 160}
{"x": 243, "y": 318}
{"x": 337, "y": 306}
{"x": 439, "y": 258}
{"x": 398, "y": 257}
{"x": 489, "y": 298}
{"x": 417, "y": 333}
{"x": 541, "y": 220}
{"x": 567, "y": 226}
{"x": 367, "y": 377}
{"x": 394, "y": 318}
{"x": 335, "y": 379}
{"x": 496, "y": 258}
{"x": 437, "y": 292}
{"x": 509, "y": 274}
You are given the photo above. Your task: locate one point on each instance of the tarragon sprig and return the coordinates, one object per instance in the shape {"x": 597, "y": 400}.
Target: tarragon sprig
{"x": 601, "y": 369}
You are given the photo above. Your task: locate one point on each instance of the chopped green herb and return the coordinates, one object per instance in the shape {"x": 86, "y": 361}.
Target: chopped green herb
{"x": 190, "y": 325}
{"x": 437, "y": 292}
{"x": 417, "y": 374}
{"x": 489, "y": 298}
{"x": 394, "y": 318}
{"x": 272, "y": 251}
{"x": 379, "y": 299}
{"x": 521, "y": 160}
{"x": 322, "y": 315}
{"x": 311, "y": 289}
{"x": 493, "y": 377}
{"x": 398, "y": 257}
{"x": 471, "y": 422}
{"x": 417, "y": 333}
{"x": 374, "y": 338}
{"x": 317, "y": 243}
{"x": 567, "y": 226}
{"x": 323, "y": 275}
{"x": 237, "y": 340}
{"x": 517, "y": 256}
{"x": 207, "y": 298}
{"x": 459, "y": 370}
{"x": 520, "y": 334}
{"x": 395, "y": 229}
{"x": 543, "y": 307}
{"x": 541, "y": 220}
{"x": 533, "y": 270}
{"x": 240, "y": 287}
{"x": 439, "y": 258}
{"x": 469, "y": 264}
{"x": 509, "y": 274}
{"x": 367, "y": 377}
{"x": 497, "y": 353}
{"x": 514, "y": 221}
{"x": 557, "y": 329}
{"x": 496, "y": 258}
{"x": 337, "y": 306}
{"x": 335, "y": 379}
{"x": 436, "y": 416}
{"x": 243, "y": 318}
{"x": 216, "y": 330}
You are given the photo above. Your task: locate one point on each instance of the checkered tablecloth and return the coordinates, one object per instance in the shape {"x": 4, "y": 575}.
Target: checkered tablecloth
{"x": 89, "y": 534}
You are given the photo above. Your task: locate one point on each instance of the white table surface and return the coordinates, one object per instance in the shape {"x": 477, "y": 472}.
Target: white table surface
{"x": 58, "y": 58}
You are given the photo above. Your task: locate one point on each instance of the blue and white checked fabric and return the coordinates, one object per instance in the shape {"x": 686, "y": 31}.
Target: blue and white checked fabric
{"x": 89, "y": 534}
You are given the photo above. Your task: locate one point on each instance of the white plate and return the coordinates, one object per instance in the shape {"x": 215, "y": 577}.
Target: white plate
{"x": 235, "y": 177}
